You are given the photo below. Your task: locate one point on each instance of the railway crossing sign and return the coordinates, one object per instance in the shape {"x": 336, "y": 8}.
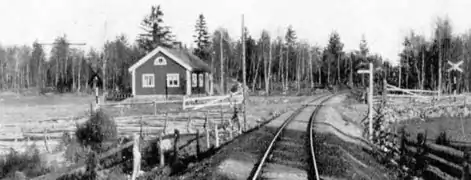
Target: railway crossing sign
{"x": 455, "y": 66}
{"x": 363, "y": 71}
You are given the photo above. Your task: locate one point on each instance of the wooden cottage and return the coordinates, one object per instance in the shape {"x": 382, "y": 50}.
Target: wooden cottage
{"x": 166, "y": 71}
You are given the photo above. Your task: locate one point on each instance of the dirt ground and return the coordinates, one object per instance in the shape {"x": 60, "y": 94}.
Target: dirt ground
{"x": 14, "y": 108}
{"x": 340, "y": 152}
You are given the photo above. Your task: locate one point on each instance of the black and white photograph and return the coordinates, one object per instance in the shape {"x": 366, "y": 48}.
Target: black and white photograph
{"x": 235, "y": 90}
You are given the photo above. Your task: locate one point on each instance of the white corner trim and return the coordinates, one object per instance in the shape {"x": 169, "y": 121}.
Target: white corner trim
{"x": 133, "y": 75}
{"x": 153, "y": 53}
{"x": 188, "y": 83}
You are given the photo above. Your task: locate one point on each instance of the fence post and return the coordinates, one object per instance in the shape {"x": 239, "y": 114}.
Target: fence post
{"x": 140, "y": 126}
{"x": 183, "y": 104}
{"x": 91, "y": 109}
{"x": 189, "y": 123}
{"x": 175, "y": 146}
{"x": 465, "y": 172}
{"x": 136, "y": 156}
{"x": 222, "y": 115}
{"x": 198, "y": 150}
{"x": 45, "y": 140}
{"x": 166, "y": 123}
{"x": 216, "y": 134}
{"x": 161, "y": 151}
{"x": 155, "y": 108}
{"x": 421, "y": 151}
{"x": 402, "y": 147}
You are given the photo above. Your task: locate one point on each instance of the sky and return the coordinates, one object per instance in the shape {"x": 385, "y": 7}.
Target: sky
{"x": 384, "y": 23}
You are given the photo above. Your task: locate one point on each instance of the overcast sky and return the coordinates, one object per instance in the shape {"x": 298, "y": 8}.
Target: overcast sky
{"x": 383, "y": 22}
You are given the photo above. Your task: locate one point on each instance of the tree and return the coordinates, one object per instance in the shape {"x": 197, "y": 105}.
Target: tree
{"x": 38, "y": 57}
{"x": 334, "y": 50}
{"x": 202, "y": 39}
{"x": 120, "y": 57}
{"x": 155, "y": 33}
{"x": 58, "y": 59}
{"x": 290, "y": 39}
{"x": 364, "y": 52}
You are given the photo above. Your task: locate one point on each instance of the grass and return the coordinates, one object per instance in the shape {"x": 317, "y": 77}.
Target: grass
{"x": 28, "y": 163}
{"x": 35, "y": 108}
{"x": 340, "y": 159}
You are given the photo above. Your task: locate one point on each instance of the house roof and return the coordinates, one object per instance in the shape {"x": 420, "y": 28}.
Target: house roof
{"x": 181, "y": 56}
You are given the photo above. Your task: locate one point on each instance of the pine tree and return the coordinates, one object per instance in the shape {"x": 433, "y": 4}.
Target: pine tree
{"x": 290, "y": 39}
{"x": 202, "y": 40}
{"x": 156, "y": 33}
{"x": 334, "y": 49}
{"x": 364, "y": 50}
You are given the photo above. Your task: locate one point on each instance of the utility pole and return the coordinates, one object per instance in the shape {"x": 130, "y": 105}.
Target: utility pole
{"x": 244, "y": 92}
{"x": 370, "y": 97}
{"x": 222, "y": 62}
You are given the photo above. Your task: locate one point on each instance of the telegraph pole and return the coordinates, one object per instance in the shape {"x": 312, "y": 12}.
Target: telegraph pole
{"x": 222, "y": 62}
{"x": 244, "y": 74}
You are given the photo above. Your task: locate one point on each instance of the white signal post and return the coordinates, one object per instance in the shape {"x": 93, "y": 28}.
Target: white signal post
{"x": 455, "y": 67}
{"x": 370, "y": 97}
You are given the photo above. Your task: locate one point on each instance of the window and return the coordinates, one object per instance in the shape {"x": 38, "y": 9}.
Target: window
{"x": 160, "y": 61}
{"x": 193, "y": 80}
{"x": 148, "y": 80}
{"x": 200, "y": 80}
{"x": 173, "y": 80}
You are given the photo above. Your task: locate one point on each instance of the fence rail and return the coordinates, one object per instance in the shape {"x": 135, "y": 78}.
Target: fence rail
{"x": 421, "y": 155}
{"x": 196, "y": 103}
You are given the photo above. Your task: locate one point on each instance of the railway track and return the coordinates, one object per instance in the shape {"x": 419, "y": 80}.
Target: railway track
{"x": 290, "y": 154}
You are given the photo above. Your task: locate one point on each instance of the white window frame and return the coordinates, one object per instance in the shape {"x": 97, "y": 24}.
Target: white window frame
{"x": 145, "y": 83}
{"x": 172, "y": 78}
{"x": 158, "y": 63}
{"x": 194, "y": 80}
{"x": 201, "y": 80}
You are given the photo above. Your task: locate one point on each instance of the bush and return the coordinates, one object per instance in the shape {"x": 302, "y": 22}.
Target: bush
{"x": 74, "y": 151}
{"x": 98, "y": 130}
{"x": 29, "y": 163}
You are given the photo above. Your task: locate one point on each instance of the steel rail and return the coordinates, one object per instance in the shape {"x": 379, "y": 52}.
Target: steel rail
{"x": 275, "y": 138}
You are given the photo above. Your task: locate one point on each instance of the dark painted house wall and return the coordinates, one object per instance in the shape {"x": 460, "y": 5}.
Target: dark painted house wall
{"x": 160, "y": 73}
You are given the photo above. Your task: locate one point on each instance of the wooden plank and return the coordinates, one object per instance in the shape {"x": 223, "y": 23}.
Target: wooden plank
{"x": 451, "y": 168}
{"x": 440, "y": 173}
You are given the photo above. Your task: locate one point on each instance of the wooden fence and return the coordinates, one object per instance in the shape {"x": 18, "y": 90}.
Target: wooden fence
{"x": 48, "y": 132}
{"x": 424, "y": 158}
{"x": 140, "y": 143}
{"x": 212, "y": 101}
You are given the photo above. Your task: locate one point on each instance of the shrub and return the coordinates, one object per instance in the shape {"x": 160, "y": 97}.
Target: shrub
{"x": 29, "y": 163}
{"x": 98, "y": 130}
{"x": 74, "y": 151}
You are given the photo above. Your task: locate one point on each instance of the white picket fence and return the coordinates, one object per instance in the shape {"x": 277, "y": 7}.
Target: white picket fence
{"x": 212, "y": 101}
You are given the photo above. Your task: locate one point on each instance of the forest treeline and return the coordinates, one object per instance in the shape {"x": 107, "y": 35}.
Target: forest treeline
{"x": 273, "y": 63}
